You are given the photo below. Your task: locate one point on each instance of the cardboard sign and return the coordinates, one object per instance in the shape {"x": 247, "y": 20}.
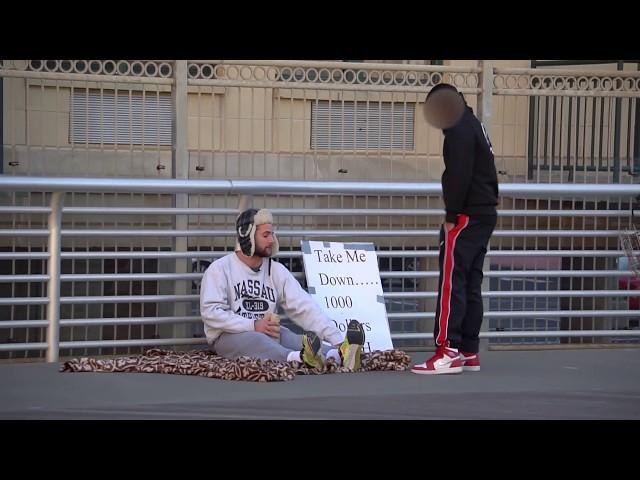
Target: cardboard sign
{"x": 343, "y": 278}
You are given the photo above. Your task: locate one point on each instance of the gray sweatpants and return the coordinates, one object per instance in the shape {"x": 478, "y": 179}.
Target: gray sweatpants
{"x": 260, "y": 345}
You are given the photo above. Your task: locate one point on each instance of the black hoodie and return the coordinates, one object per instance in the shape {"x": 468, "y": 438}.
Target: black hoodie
{"x": 469, "y": 182}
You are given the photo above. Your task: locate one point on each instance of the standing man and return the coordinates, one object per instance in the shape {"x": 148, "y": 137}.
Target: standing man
{"x": 470, "y": 191}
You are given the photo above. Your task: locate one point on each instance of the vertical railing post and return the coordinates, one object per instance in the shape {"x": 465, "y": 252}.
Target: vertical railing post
{"x": 484, "y": 327}
{"x": 617, "y": 133}
{"x": 53, "y": 270}
{"x": 180, "y": 170}
{"x": 244, "y": 202}
{"x": 485, "y": 98}
{"x": 532, "y": 131}
{"x": 180, "y": 160}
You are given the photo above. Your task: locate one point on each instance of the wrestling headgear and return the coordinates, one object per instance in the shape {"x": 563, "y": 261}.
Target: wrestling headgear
{"x": 246, "y": 225}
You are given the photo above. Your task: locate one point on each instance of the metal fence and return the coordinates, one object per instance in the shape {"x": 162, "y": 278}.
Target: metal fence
{"x": 590, "y": 313}
{"x": 297, "y": 121}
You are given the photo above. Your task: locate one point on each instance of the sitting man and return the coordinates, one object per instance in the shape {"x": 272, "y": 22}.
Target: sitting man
{"x": 241, "y": 292}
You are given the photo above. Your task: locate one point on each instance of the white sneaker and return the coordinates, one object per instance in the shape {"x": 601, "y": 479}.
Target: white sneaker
{"x": 446, "y": 360}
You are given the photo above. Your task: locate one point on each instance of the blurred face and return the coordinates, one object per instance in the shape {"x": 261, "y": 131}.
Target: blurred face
{"x": 444, "y": 108}
{"x": 264, "y": 240}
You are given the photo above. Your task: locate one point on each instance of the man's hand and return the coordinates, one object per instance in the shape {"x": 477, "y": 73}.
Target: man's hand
{"x": 448, "y": 226}
{"x": 267, "y": 326}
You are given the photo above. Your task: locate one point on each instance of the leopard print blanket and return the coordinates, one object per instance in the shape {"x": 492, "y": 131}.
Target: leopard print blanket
{"x": 207, "y": 364}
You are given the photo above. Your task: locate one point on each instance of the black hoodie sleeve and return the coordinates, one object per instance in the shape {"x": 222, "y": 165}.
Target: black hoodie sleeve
{"x": 459, "y": 155}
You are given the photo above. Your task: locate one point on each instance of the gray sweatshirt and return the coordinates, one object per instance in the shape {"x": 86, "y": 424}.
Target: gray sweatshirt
{"x": 233, "y": 297}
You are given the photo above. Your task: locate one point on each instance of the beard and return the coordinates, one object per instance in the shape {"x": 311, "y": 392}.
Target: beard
{"x": 264, "y": 252}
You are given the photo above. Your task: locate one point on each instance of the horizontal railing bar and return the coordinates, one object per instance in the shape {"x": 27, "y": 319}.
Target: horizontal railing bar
{"x": 390, "y": 295}
{"x": 23, "y": 278}
{"x": 105, "y": 344}
{"x": 82, "y": 299}
{"x": 296, "y": 254}
{"x": 85, "y": 77}
{"x": 114, "y": 277}
{"x": 553, "y": 253}
{"x": 387, "y": 295}
{"x": 528, "y": 314}
{"x": 342, "y": 65}
{"x": 563, "y": 72}
{"x": 256, "y": 187}
{"x": 342, "y": 87}
{"x": 520, "y": 273}
{"x": 534, "y": 92}
{"x": 391, "y": 316}
{"x": 87, "y": 322}
{"x": 128, "y": 276}
{"x": 412, "y": 274}
{"x": 16, "y": 209}
{"x": 531, "y": 334}
{"x": 308, "y": 211}
{"x": 296, "y": 233}
{"x": 527, "y": 293}
{"x": 24, "y": 232}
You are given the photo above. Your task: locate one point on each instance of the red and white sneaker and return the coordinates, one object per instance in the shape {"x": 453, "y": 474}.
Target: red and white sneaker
{"x": 470, "y": 362}
{"x": 445, "y": 360}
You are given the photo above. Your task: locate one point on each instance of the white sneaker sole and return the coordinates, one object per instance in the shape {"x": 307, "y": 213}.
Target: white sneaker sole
{"x": 442, "y": 371}
{"x": 471, "y": 369}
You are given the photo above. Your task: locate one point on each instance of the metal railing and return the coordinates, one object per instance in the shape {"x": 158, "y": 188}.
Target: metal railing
{"x": 56, "y": 233}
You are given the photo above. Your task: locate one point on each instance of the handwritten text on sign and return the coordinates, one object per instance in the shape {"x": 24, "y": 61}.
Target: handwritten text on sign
{"x": 344, "y": 280}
